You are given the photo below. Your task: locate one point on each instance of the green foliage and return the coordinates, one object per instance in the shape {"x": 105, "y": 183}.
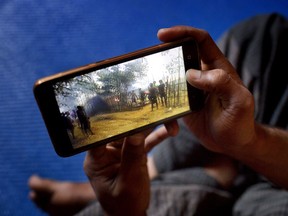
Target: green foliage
{"x": 117, "y": 79}
{"x": 113, "y": 80}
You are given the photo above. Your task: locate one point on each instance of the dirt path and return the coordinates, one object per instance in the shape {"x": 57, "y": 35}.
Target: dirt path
{"x": 108, "y": 125}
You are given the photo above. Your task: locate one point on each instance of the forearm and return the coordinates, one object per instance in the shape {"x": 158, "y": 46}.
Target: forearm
{"x": 268, "y": 154}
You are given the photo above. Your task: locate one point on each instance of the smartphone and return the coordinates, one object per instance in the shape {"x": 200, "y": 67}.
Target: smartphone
{"x": 104, "y": 101}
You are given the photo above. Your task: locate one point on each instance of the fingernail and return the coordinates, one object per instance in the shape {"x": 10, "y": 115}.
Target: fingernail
{"x": 162, "y": 30}
{"x": 193, "y": 74}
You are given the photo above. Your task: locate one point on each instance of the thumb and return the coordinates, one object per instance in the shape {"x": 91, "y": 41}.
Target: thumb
{"x": 217, "y": 81}
{"x": 133, "y": 150}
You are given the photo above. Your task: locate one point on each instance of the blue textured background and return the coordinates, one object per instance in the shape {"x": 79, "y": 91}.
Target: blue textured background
{"x": 39, "y": 38}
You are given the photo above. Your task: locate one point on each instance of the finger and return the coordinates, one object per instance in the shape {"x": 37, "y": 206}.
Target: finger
{"x": 172, "y": 127}
{"x": 41, "y": 185}
{"x": 116, "y": 144}
{"x": 160, "y": 134}
{"x": 96, "y": 154}
{"x": 211, "y": 56}
{"x": 218, "y": 82}
{"x": 95, "y": 159}
{"x": 41, "y": 191}
{"x": 209, "y": 51}
{"x": 133, "y": 150}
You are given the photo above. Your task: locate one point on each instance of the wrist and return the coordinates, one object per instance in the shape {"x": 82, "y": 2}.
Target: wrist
{"x": 253, "y": 148}
{"x": 266, "y": 154}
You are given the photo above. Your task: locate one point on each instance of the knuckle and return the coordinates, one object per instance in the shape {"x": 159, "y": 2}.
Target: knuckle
{"x": 219, "y": 76}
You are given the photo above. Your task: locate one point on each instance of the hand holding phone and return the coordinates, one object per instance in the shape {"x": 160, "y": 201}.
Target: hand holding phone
{"x": 108, "y": 100}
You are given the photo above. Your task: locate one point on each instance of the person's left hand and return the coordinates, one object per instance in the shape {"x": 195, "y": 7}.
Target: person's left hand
{"x": 118, "y": 171}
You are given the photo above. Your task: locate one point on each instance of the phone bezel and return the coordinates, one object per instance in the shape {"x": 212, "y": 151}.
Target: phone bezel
{"x": 45, "y": 97}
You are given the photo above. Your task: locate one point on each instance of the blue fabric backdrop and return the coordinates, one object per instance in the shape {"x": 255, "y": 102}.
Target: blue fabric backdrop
{"x": 39, "y": 38}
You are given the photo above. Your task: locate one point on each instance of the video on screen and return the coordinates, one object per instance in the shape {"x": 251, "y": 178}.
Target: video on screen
{"x": 120, "y": 98}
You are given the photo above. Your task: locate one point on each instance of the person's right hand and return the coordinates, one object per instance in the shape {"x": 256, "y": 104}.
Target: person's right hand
{"x": 226, "y": 123}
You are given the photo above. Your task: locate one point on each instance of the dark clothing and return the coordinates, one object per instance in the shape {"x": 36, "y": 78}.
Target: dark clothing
{"x": 258, "y": 48}
{"x": 153, "y": 94}
{"x": 162, "y": 93}
{"x": 84, "y": 121}
{"x": 82, "y": 117}
{"x": 153, "y": 97}
{"x": 142, "y": 97}
{"x": 161, "y": 89}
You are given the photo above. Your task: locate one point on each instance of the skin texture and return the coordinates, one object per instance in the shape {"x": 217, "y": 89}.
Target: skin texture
{"x": 64, "y": 197}
{"x": 59, "y": 198}
{"x": 229, "y": 107}
{"x": 118, "y": 172}
{"x": 226, "y": 124}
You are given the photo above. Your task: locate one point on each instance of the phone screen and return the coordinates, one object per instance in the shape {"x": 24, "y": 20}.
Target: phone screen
{"x": 98, "y": 103}
{"x": 119, "y": 98}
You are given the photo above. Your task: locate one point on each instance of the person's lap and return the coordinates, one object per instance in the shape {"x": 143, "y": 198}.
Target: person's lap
{"x": 262, "y": 199}
{"x": 178, "y": 161}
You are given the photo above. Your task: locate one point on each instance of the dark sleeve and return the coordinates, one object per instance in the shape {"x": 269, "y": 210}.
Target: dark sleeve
{"x": 258, "y": 49}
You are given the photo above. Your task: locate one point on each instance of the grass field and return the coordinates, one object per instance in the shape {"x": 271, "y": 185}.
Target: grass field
{"x": 111, "y": 124}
